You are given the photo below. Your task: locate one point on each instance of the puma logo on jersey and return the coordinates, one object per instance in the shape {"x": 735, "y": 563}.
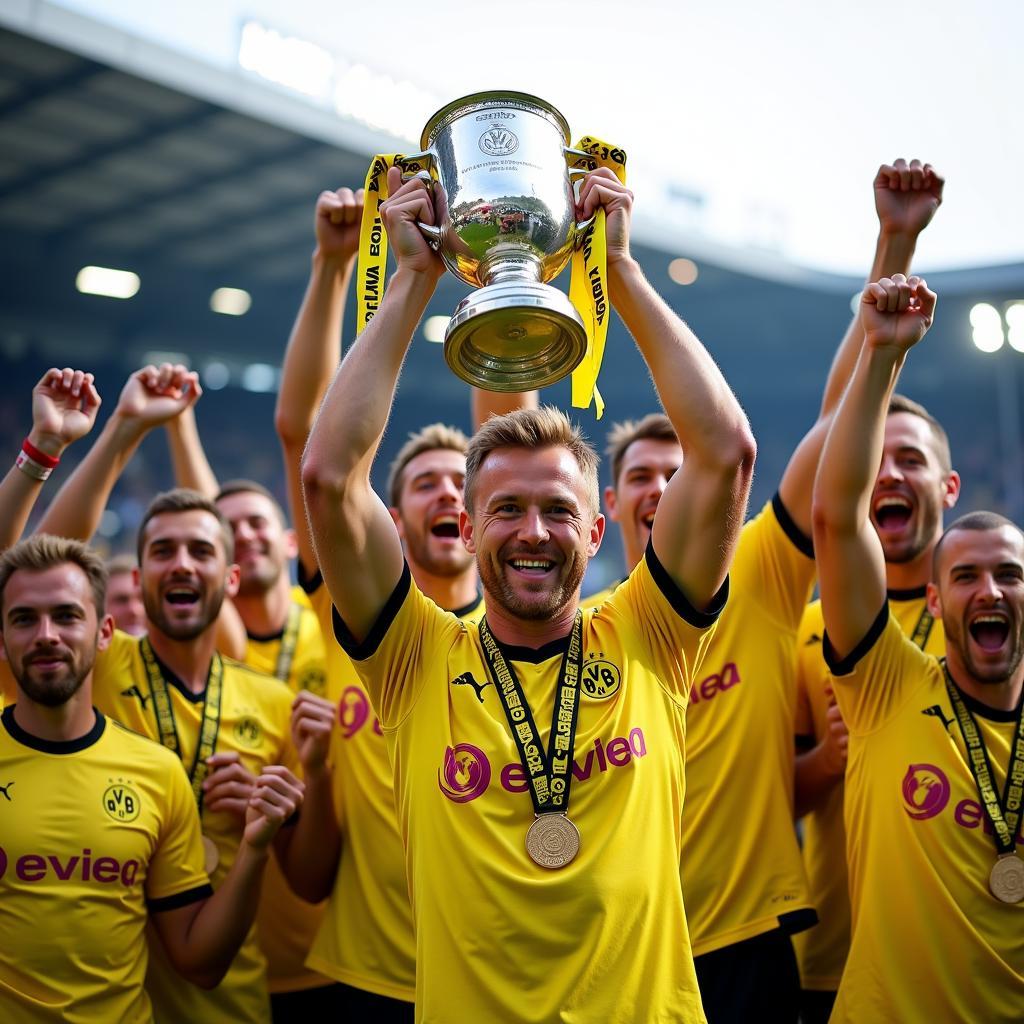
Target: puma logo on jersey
{"x": 134, "y": 691}
{"x": 466, "y": 679}
{"x": 936, "y": 712}
{"x": 4, "y": 790}
{"x": 813, "y": 639}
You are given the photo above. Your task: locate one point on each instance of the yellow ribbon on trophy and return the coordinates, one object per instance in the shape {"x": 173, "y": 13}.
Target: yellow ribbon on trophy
{"x": 588, "y": 282}
{"x": 373, "y": 238}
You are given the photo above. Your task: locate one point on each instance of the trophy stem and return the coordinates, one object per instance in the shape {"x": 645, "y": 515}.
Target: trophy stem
{"x": 505, "y": 270}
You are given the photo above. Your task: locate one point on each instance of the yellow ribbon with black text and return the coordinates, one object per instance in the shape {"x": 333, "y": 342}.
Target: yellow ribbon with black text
{"x": 588, "y": 282}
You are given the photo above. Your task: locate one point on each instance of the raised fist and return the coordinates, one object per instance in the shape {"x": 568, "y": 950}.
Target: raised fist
{"x": 64, "y": 407}
{"x": 896, "y": 311}
{"x": 907, "y": 196}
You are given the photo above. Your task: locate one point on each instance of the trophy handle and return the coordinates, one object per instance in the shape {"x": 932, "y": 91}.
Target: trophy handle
{"x": 424, "y": 160}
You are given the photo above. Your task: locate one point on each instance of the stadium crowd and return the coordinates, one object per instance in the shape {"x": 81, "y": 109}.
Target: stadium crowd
{"x": 229, "y": 797}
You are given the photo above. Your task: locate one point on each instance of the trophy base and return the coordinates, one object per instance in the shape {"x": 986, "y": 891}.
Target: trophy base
{"x": 515, "y": 336}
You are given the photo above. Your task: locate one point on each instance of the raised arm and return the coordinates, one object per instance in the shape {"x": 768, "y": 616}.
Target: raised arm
{"x": 64, "y": 407}
{"x": 192, "y": 469}
{"x": 151, "y": 396}
{"x": 701, "y": 512}
{"x": 895, "y": 314}
{"x": 356, "y": 541}
{"x": 314, "y": 348}
{"x": 906, "y": 198}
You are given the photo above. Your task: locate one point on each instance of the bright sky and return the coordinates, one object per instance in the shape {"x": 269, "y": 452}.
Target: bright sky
{"x": 777, "y": 113}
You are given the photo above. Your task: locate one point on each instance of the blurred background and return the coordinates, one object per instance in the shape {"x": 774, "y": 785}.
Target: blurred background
{"x": 185, "y": 145}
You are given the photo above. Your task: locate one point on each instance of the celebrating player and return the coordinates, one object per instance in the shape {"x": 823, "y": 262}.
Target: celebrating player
{"x": 936, "y": 748}
{"x": 520, "y": 914}
{"x": 99, "y": 830}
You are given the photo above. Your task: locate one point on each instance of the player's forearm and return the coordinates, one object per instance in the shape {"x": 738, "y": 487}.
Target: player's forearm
{"x": 18, "y": 495}
{"x": 711, "y": 425}
{"x": 219, "y": 929}
{"x": 191, "y": 467}
{"x": 486, "y": 404}
{"x": 815, "y": 777}
{"x": 314, "y": 348}
{"x": 853, "y": 448}
{"x": 309, "y": 858}
{"x": 894, "y": 252}
{"x": 76, "y": 510}
{"x": 355, "y": 411}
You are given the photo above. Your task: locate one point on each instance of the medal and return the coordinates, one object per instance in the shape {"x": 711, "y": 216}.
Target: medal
{"x": 553, "y": 841}
{"x": 211, "y": 856}
{"x": 1006, "y": 879}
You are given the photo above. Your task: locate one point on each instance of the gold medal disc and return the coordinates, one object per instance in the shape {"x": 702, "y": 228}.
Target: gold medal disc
{"x": 211, "y": 857}
{"x": 552, "y": 841}
{"x": 1007, "y": 879}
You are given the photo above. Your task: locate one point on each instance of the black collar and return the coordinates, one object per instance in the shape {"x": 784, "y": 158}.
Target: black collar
{"x": 26, "y": 739}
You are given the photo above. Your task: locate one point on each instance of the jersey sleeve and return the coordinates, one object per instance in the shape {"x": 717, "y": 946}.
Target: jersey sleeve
{"x": 879, "y": 675}
{"x": 775, "y": 561}
{"x": 410, "y": 632}
{"x": 176, "y": 875}
{"x": 667, "y": 631}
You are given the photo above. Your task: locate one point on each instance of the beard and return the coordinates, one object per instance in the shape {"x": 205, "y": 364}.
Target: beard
{"x": 547, "y": 604}
{"x": 957, "y": 637}
{"x": 58, "y": 686}
{"x": 254, "y": 582}
{"x": 418, "y": 551}
{"x": 210, "y": 605}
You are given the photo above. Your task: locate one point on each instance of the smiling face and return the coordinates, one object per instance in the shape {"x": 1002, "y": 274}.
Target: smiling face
{"x": 533, "y": 530}
{"x": 980, "y": 597}
{"x": 51, "y": 632}
{"x": 912, "y": 489}
{"x": 184, "y": 572}
{"x": 427, "y": 516}
{"x": 263, "y": 545}
{"x": 647, "y": 466}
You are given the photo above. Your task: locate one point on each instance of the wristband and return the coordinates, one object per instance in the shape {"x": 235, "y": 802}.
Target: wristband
{"x": 34, "y": 463}
{"x": 44, "y": 460}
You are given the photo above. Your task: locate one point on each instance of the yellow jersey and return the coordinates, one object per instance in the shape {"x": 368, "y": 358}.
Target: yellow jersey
{"x": 929, "y": 940}
{"x": 741, "y": 869}
{"x": 255, "y": 722}
{"x": 286, "y": 924}
{"x": 499, "y": 938}
{"x": 95, "y": 833}
{"x": 366, "y": 938}
{"x": 821, "y": 951}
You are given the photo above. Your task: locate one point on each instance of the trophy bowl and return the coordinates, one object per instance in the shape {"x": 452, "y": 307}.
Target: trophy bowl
{"x": 504, "y": 198}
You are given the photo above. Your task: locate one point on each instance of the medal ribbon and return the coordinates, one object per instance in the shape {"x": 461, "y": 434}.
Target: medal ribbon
{"x": 550, "y": 773}
{"x": 1005, "y": 815}
{"x": 289, "y": 640}
{"x": 923, "y": 628}
{"x": 168, "y": 729}
{"x": 373, "y": 238}
{"x": 588, "y": 282}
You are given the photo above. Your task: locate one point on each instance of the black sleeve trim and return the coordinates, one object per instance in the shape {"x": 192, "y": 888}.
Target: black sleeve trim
{"x": 796, "y": 536}
{"x": 844, "y": 666}
{"x": 804, "y": 743}
{"x": 309, "y": 583}
{"x": 180, "y": 899}
{"x": 798, "y": 920}
{"x": 360, "y": 651}
{"x": 679, "y": 601}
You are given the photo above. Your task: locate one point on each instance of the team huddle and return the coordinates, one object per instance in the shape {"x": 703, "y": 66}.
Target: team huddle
{"x": 434, "y": 780}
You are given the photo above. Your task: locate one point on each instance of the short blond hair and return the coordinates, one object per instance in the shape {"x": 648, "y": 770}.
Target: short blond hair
{"x": 655, "y": 426}
{"x": 43, "y": 551}
{"x": 434, "y": 437}
{"x": 546, "y": 427}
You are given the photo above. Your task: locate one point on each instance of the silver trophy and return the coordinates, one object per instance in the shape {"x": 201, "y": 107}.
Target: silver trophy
{"x": 506, "y": 210}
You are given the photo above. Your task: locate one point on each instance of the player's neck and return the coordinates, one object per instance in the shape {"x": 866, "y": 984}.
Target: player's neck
{"x": 448, "y": 592}
{"x": 910, "y": 575}
{"x": 266, "y": 613}
{"x": 70, "y": 721}
{"x": 189, "y": 660}
{"x": 516, "y": 632}
{"x": 632, "y": 558}
{"x": 1002, "y": 696}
